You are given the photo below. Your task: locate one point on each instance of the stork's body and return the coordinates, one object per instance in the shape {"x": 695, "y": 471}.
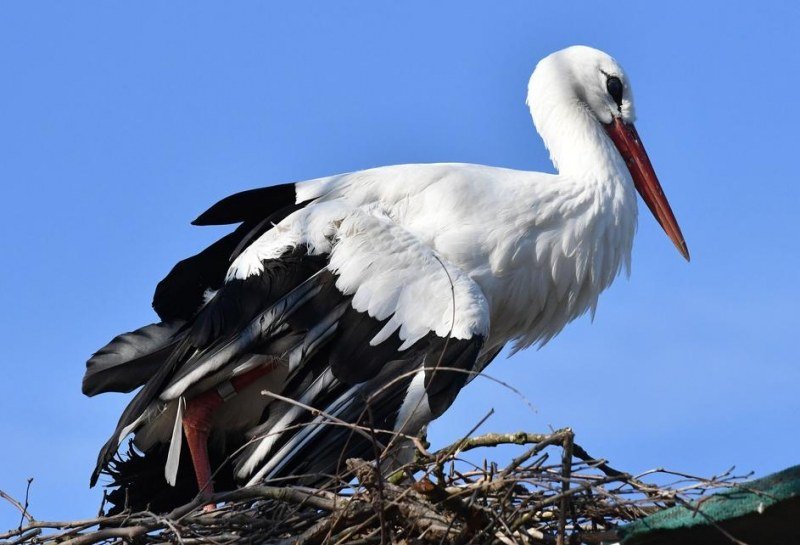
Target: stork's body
{"x": 540, "y": 247}
{"x": 348, "y": 293}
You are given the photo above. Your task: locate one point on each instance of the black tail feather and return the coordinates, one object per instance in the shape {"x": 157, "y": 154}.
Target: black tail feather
{"x": 130, "y": 359}
{"x": 138, "y": 483}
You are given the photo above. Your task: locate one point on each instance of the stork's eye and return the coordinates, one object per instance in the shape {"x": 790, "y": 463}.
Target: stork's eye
{"x": 614, "y": 86}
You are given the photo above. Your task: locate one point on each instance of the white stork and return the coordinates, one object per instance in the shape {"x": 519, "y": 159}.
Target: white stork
{"x": 374, "y": 297}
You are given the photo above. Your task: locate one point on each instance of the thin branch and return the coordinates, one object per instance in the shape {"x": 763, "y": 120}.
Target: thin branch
{"x": 537, "y": 498}
{"x": 23, "y": 509}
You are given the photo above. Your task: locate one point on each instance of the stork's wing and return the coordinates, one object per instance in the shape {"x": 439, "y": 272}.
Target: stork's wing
{"x": 180, "y": 293}
{"x": 373, "y": 329}
{"x": 406, "y": 330}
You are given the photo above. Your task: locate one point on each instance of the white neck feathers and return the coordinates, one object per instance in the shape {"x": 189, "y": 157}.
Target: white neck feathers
{"x": 578, "y": 145}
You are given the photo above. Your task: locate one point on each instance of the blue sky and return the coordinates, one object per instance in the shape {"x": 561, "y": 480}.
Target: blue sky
{"x": 119, "y": 124}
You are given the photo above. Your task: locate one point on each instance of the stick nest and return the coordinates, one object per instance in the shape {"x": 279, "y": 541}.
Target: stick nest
{"x": 552, "y": 491}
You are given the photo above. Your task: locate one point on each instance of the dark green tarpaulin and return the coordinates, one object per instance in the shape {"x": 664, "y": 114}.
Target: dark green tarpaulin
{"x": 765, "y": 511}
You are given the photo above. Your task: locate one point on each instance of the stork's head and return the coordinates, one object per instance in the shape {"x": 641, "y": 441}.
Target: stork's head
{"x": 583, "y": 83}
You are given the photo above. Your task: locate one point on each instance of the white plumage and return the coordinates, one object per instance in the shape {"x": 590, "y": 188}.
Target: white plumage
{"x": 539, "y": 247}
{"x": 417, "y": 256}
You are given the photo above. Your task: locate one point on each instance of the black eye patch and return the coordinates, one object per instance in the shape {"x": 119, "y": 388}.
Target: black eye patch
{"x": 614, "y": 87}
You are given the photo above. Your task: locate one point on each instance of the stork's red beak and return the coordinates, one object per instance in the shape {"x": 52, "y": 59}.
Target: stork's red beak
{"x": 627, "y": 141}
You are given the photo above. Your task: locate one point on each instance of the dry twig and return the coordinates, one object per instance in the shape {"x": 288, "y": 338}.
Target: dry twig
{"x": 530, "y": 501}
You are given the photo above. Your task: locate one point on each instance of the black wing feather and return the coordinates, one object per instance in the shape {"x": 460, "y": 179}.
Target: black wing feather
{"x": 240, "y": 300}
{"x": 381, "y": 376}
{"x": 215, "y": 325}
{"x": 250, "y": 205}
{"x": 351, "y": 358}
{"x": 180, "y": 294}
{"x": 374, "y": 405}
{"x": 369, "y": 384}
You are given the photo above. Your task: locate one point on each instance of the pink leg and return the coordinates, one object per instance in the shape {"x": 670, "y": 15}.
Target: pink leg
{"x": 197, "y": 427}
